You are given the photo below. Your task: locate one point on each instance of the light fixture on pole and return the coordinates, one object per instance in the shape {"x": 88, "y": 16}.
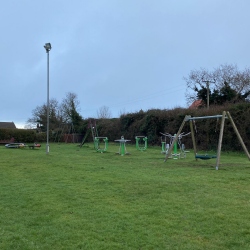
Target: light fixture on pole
{"x": 47, "y": 47}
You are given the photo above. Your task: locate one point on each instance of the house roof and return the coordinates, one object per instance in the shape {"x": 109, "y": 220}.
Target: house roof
{"x": 7, "y": 125}
{"x": 196, "y": 104}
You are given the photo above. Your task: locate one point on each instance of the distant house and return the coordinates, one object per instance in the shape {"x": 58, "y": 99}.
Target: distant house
{"x": 196, "y": 104}
{"x": 7, "y": 125}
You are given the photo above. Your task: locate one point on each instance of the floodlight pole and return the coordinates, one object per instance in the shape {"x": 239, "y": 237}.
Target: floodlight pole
{"x": 47, "y": 47}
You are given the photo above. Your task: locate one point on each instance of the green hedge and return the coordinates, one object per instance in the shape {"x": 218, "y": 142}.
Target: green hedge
{"x": 20, "y": 135}
{"x": 152, "y": 122}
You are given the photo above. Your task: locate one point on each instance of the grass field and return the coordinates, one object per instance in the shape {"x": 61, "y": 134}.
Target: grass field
{"x": 76, "y": 198}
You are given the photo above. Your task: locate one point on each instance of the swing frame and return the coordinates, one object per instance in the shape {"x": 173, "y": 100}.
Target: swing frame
{"x": 225, "y": 115}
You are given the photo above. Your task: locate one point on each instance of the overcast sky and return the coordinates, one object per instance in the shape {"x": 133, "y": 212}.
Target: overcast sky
{"x": 124, "y": 54}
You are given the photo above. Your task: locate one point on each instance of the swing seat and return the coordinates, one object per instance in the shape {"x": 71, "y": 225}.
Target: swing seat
{"x": 205, "y": 157}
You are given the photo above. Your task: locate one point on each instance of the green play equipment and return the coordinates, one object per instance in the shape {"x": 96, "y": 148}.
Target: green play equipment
{"x": 163, "y": 147}
{"x": 122, "y": 148}
{"x": 164, "y": 144}
{"x": 205, "y": 157}
{"x": 97, "y": 143}
{"x": 176, "y": 142}
{"x": 139, "y": 143}
{"x": 100, "y": 143}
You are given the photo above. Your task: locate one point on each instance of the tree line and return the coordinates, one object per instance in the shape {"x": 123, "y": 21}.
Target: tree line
{"x": 153, "y": 122}
{"x": 59, "y": 113}
{"x": 222, "y": 85}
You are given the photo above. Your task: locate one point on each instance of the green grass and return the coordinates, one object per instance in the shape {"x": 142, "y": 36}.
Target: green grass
{"x": 76, "y": 198}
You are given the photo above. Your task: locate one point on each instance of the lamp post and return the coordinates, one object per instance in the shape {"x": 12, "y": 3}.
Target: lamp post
{"x": 47, "y": 47}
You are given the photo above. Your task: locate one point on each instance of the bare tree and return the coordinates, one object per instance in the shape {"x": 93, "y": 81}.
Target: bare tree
{"x": 237, "y": 80}
{"x": 195, "y": 82}
{"x": 70, "y": 108}
{"x": 39, "y": 115}
{"x": 67, "y": 112}
{"x": 216, "y": 79}
{"x": 103, "y": 113}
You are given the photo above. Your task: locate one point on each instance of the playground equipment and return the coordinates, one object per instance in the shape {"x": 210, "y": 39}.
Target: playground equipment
{"x": 67, "y": 131}
{"x": 22, "y": 145}
{"x": 175, "y": 154}
{"x": 225, "y": 115}
{"x": 93, "y": 128}
{"x": 15, "y": 145}
{"x": 97, "y": 140}
{"x": 35, "y": 145}
{"x": 84, "y": 138}
{"x": 97, "y": 144}
{"x": 122, "y": 148}
{"x": 139, "y": 143}
{"x": 164, "y": 144}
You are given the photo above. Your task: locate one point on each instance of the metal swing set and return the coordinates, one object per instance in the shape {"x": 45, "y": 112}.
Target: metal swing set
{"x": 225, "y": 115}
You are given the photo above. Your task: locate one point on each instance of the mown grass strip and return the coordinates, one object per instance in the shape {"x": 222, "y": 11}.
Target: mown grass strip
{"x": 76, "y": 198}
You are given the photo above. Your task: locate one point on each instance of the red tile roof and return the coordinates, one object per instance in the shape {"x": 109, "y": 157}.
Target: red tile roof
{"x": 196, "y": 104}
